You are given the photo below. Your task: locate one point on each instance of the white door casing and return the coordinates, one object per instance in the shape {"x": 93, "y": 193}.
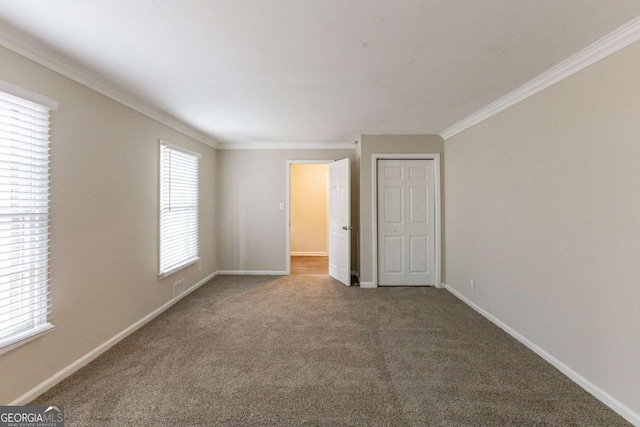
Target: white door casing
{"x": 339, "y": 221}
{"x": 406, "y": 223}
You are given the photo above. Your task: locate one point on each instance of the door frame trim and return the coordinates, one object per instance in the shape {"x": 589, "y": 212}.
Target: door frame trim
{"x": 438, "y": 206}
{"x": 287, "y": 224}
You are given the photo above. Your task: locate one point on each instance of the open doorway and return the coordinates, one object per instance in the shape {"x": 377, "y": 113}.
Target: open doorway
{"x": 308, "y": 218}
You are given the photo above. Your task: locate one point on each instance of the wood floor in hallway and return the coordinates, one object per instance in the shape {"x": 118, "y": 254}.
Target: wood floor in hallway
{"x": 309, "y": 265}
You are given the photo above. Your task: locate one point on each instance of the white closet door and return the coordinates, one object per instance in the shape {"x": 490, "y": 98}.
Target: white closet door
{"x": 406, "y": 227}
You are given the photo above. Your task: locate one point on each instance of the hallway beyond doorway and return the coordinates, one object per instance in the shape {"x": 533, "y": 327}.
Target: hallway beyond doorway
{"x": 309, "y": 265}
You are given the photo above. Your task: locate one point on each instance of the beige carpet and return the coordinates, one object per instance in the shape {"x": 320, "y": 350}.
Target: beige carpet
{"x": 305, "y": 350}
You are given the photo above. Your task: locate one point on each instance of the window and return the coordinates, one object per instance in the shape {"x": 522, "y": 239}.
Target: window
{"x": 178, "y": 208}
{"x": 24, "y": 217}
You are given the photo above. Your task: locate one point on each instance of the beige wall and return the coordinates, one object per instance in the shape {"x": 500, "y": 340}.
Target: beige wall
{"x": 543, "y": 207}
{"x": 387, "y": 144}
{"x": 309, "y": 208}
{"x": 251, "y": 186}
{"x": 104, "y": 223}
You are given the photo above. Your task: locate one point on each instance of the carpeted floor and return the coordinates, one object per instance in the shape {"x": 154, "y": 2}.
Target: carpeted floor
{"x": 305, "y": 350}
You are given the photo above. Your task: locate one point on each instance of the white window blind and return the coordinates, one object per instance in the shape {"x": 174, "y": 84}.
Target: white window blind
{"x": 24, "y": 219}
{"x": 179, "y": 241}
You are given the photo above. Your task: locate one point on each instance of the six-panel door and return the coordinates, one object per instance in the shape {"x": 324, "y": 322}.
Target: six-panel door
{"x": 406, "y": 227}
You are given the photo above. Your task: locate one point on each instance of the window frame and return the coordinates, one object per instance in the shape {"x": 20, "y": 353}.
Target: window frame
{"x": 17, "y": 339}
{"x": 171, "y": 146}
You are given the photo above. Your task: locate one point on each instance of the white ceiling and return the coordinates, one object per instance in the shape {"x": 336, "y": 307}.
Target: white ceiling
{"x": 317, "y": 71}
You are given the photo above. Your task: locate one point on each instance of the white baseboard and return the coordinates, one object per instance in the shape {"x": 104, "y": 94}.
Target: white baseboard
{"x": 368, "y": 285}
{"x": 308, "y": 253}
{"x": 93, "y": 354}
{"x": 624, "y": 411}
{"x": 251, "y": 273}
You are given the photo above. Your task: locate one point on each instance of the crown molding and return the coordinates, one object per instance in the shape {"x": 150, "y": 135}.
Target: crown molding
{"x": 611, "y": 43}
{"x": 286, "y": 145}
{"x": 44, "y": 55}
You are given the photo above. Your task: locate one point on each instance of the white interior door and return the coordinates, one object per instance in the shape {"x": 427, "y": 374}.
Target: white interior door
{"x": 339, "y": 221}
{"x": 406, "y": 223}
